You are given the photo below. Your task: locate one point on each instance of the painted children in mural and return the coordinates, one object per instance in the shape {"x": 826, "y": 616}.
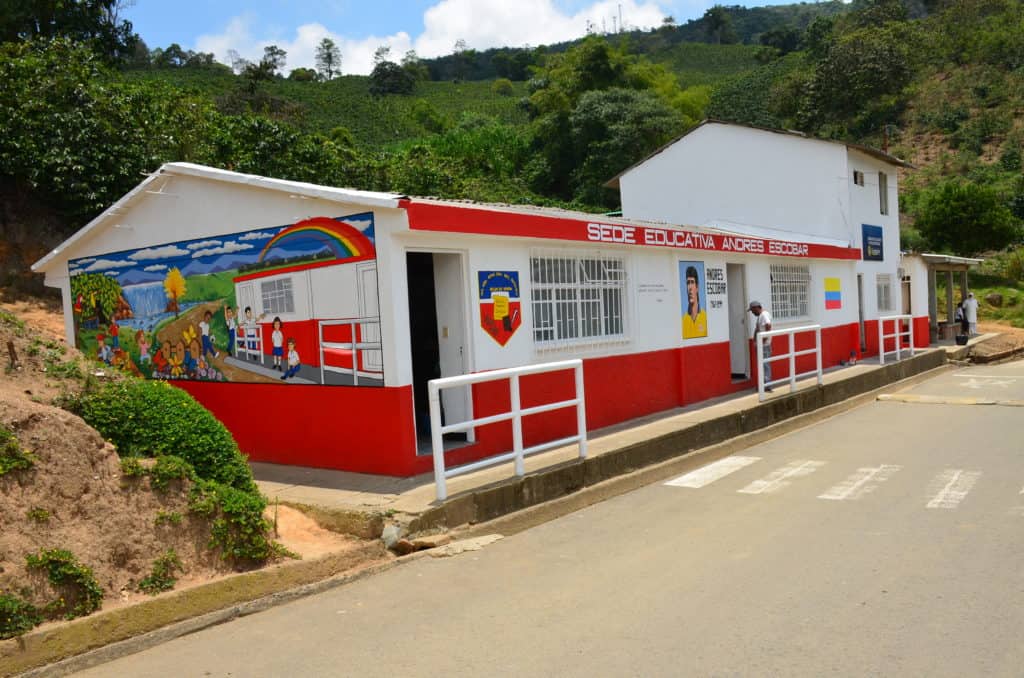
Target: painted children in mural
{"x": 192, "y": 358}
{"x": 161, "y": 359}
{"x": 293, "y": 360}
{"x": 229, "y": 320}
{"x": 143, "y": 344}
{"x": 763, "y": 323}
{"x": 103, "y": 352}
{"x": 177, "y": 359}
{"x": 277, "y": 341}
{"x": 695, "y": 319}
{"x": 114, "y": 331}
{"x": 204, "y": 329}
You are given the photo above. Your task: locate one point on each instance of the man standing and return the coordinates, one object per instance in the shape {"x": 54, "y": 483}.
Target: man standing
{"x": 763, "y": 323}
{"x": 971, "y": 312}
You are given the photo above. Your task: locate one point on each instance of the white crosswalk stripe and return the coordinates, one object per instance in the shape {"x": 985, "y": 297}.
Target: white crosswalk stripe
{"x": 952, "y": 486}
{"x": 778, "y": 479}
{"x": 864, "y": 481}
{"x": 712, "y": 472}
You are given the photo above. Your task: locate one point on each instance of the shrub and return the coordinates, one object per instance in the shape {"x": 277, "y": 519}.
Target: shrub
{"x": 38, "y": 514}
{"x": 165, "y": 518}
{"x": 12, "y": 457}
{"x": 503, "y": 87}
{"x": 79, "y": 593}
{"x": 238, "y": 529}
{"x": 162, "y": 577}
{"x": 132, "y": 468}
{"x": 151, "y": 418}
{"x": 16, "y": 616}
{"x": 167, "y": 468}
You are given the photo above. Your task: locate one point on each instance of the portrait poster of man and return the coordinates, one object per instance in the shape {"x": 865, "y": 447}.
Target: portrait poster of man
{"x": 691, "y": 281}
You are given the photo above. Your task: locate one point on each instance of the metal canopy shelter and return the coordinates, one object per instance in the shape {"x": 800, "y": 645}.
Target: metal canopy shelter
{"x": 947, "y": 264}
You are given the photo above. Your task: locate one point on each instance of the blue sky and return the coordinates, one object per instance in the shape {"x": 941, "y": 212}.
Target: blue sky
{"x": 431, "y": 27}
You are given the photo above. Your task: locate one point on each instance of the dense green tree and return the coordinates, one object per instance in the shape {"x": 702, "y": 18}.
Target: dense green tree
{"x": 718, "y": 23}
{"x": 966, "y": 218}
{"x": 96, "y": 22}
{"x": 390, "y": 78}
{"x": 80, "y": 141}
{"x": 303, "y": 75}
{"x": 610, "y": 130}
{"x": 274, "y": 59}
{"x": 328, "y": 59}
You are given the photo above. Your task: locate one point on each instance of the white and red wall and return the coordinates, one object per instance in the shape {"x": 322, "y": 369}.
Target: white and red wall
{"x": 372, "y": 429}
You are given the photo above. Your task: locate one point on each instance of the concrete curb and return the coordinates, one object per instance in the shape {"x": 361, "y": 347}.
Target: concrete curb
{"x": 64, "y": 648}
{"x": 536, "y": 515}
{"x": 516, "y": 494}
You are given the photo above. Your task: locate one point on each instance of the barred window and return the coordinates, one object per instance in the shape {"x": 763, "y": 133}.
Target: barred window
{"x": 883, "y": 283}
{"x": 791, "y": 287}
{"x": 277, "y": 296}
{"x": 577, "y": 299}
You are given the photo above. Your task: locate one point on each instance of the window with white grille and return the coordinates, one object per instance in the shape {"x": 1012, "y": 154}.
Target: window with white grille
{"x": 577, "y": 299}
{"x": 277, "y": 296}
{"x": 791, "y": 289}
{"x": 883, "y": 284}
{"x": 858, "y": 177}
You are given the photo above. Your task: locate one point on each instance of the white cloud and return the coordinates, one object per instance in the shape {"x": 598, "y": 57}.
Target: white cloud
{"x": 227, "y": 248}
{"x": 104, "y": 264}
{"x": 155, "y": 267}
{"x": 204, "y": 243}
{"x": 481, "y": 23}
{"x": 114, "y": 274}
{"x": 257, "y": 235}
{"x": 165, "y": 252}
{"x": 84, "y": 261}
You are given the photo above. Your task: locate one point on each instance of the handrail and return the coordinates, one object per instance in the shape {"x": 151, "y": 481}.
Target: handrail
{"x": 355, "y": 346}
{"x": 897, "y": 334}
{"x": 791, "y": 355}
{"x": 514, "y": 414}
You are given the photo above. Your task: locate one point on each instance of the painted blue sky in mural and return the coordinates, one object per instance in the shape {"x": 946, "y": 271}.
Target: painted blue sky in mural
{"x": 207, "y": 255}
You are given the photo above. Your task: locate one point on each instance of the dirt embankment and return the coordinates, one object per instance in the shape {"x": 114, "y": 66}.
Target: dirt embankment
{"x": 75, "y": 496}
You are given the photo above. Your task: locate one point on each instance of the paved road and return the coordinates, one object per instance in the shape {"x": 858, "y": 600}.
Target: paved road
{"x": 885, "y": 541}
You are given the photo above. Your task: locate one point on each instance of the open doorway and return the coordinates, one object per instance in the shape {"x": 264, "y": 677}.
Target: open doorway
{"x": 437, "y": 328}
{"x": 739, "y": 346}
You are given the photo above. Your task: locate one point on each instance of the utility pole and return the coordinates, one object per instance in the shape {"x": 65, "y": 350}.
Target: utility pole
{"x": 620, "y": 17}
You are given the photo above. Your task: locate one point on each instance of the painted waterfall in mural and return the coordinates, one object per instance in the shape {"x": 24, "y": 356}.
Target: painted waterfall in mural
{"x": 293, "y": 304}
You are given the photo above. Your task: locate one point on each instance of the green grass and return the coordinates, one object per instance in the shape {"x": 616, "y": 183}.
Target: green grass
{"x": 346, "y": 102}
{"x": 703, "y": 64}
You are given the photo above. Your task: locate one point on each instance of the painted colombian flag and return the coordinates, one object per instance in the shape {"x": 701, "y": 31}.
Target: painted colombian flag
{"x": 833, "y": 294}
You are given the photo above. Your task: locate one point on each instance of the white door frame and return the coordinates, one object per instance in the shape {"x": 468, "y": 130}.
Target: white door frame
{"x": 736, "y": 306}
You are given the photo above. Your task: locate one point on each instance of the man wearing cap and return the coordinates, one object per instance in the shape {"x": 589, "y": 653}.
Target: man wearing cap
{"x": 763, "y": 323}
{"x": 971, "y": 312}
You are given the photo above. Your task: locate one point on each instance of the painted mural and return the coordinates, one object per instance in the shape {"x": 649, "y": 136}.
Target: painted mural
{"x": 694, "y": 301}
{"x": 293, "y": 304}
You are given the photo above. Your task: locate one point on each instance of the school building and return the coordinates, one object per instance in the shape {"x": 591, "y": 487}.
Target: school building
{"x": 232, "y": 280}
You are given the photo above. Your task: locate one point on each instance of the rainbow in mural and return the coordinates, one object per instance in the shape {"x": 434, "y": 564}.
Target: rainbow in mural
{"x": 343, "y": 240}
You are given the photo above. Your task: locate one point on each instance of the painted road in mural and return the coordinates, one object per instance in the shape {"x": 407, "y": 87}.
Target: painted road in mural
{"x": 295, "y": 303}
{"x": 883, "y": 541}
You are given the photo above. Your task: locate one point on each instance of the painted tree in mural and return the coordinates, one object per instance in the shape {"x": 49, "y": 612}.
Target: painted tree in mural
{"x": 174, "y": 285}
{"x": 95, "y": 297}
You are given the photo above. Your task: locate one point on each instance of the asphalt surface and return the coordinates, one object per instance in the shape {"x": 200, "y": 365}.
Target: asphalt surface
{"x": 884, "y": 541}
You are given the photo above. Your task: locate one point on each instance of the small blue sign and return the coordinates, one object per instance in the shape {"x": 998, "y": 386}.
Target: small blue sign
{"x": 871, "y": 241}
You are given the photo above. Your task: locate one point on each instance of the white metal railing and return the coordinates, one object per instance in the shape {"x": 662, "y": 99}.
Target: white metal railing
{"x": 897, "y": 333}
{"x": 791, "y": 356}
{"x": 357, "y": 348}
{"x": 249, "y": 340}
{"x": 515, "y": 414}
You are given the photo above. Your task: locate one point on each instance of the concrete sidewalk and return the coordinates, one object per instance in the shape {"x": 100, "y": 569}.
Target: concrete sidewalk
{"x": 612, "y": 451}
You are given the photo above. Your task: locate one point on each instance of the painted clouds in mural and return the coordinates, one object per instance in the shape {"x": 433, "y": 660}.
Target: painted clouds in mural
{"x": 691, "y": 287}
{"x": 286, "y": 304}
